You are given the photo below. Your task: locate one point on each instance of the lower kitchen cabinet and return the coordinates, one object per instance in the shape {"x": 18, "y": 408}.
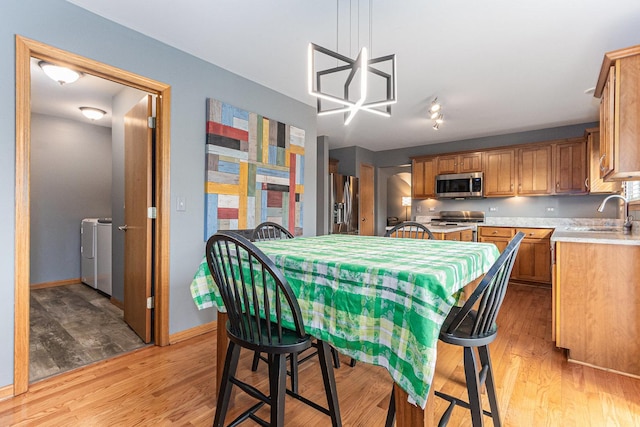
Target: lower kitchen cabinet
{"x": 533, "y": 263}
{"x": 596, "y": 304}
{"x": 460, "y": 236}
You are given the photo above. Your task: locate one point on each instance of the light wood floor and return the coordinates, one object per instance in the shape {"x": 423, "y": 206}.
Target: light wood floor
{"x": 174, "y": 385}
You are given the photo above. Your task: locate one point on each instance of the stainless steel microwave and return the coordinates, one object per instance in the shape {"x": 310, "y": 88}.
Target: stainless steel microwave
{"x": 459, "y": 185}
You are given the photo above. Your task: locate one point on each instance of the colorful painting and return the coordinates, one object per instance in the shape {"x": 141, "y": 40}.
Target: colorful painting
{"x": 254, "y": 170}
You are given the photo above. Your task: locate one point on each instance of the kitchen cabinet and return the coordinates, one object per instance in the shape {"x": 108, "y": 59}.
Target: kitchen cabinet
{"x": 500, "y": 236}
{"x": 535, "y": 170}
{"x": 595, "y": 184}
{"x": 597, "y": 304}
{"x": 618, "y": 88}
{"x": 571, "y": 167}
{"x": 423, "y": 177}
{"x": 459, "y": 236}
{"x": 460, "y": 163}
{"x": 499, "y": 173}
{"x": 533, "y": 262}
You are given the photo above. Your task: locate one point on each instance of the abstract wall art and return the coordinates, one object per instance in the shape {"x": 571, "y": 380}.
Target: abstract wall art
{"x": 254, "y": 170}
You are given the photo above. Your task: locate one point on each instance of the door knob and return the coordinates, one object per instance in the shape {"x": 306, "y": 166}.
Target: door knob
{"x": 123, "y": 227}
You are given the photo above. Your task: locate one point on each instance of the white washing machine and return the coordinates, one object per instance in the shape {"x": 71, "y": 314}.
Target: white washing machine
{"x": 95, "y": 251}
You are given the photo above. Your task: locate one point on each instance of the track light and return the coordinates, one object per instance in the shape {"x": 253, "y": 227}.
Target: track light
{"x": 435, "y": 113}
{"x": 435, "y": 106}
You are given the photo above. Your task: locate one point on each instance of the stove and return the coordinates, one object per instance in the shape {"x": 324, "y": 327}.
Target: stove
{"x": 451, "y": 218}
{"x": 459, "y": 218}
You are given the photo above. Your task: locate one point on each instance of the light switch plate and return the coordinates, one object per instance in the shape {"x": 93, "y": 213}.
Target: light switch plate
{"x": 181, "y": 204}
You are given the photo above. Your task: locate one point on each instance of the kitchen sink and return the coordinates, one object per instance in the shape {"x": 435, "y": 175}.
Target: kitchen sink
{"x": 597, "y": 229}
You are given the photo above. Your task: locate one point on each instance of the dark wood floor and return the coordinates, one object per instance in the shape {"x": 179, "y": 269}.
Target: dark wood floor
{"x": 73, "y": 326}
{"x": 174, "y": 385}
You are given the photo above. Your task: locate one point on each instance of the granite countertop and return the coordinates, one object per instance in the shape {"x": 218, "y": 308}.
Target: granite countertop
{"x": 579, "y": 230}
{"x": 449, "y": 229}
{"x": 598, "y": 237}
{"x": 444, "y": 229}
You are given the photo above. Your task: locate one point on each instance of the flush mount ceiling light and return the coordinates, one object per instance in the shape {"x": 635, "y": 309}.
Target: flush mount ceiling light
{"x": 92, "y": 113}
{"x": 57, "y": 73}
{"x": 353, "y": 96}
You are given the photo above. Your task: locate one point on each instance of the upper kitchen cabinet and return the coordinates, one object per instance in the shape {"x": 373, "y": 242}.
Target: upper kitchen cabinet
{"x": 571, "y": 167}
{"x": 619, "y": 89}
{"x": 460, "y": 163}
{"x": 534, "y": 170}
{"x": 423, "y": 177}
{"x": 595, "y": 184}
{"x": 499, "y": 173}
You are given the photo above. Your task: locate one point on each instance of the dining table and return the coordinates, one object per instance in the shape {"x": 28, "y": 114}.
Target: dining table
{"x": 378, "y": 300}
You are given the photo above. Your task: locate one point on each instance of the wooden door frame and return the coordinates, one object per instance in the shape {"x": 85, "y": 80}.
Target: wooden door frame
{"x": 373, "y": 194}
{"x": 25, "y": 49}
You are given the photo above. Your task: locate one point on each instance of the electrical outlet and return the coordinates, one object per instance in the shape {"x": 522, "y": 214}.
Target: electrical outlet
{"x": 551, "y": 209}
{"x": 419, "y": 209}
{"x": 432, "y": 209}
{"x": 493, "y": 209}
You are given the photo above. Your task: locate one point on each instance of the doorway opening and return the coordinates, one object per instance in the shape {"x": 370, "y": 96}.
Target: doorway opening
{"x": 157, "y": 156}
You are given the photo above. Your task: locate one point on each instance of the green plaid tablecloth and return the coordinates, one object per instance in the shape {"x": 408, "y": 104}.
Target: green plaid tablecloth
{"x": 379, "y": 300}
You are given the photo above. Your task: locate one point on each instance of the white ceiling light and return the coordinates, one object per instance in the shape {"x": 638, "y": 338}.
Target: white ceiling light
{"x": 92, "y": 113}
{"x": 62, "y": 75}
{"x": 362, "y": 68}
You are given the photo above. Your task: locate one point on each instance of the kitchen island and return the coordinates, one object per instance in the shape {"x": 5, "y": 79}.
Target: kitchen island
{"x": 596, "y": 298}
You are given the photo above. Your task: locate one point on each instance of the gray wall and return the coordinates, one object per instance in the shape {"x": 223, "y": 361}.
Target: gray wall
{"x": 322, "y": 213}
{"x": 63, "y": 25}
{"x": 70, "y": 180}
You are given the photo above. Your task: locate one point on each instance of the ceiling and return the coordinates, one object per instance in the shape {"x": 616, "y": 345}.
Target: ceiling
{"x": 498, "y": 66}
{"x": 51, "y": 98}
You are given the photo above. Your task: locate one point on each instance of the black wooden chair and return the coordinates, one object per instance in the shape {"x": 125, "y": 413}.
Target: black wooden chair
{"x": 273, "y": 231}
{"x": 256, "y": 296}
{"x": 410, "y": 229}
{"x": 270, "y": 231}
{"x": 476, "y": 328}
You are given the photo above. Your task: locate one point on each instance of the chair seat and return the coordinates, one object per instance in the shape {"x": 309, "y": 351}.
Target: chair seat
{"x": 463, "y": 335}
{"x": 290, "y": 342}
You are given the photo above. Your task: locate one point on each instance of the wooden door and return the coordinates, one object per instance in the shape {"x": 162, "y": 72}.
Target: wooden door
{"x": 470, "y": 162}
{"x": 499, "y": 175}
{"x": 534, "y": 170}
{"x": 138, "y": 141}
{"x": 423, "y": 178}
{"x": 367, "y": 218}
{"x": 596, "y": 184}
{"x": 447, "y": 164}
{"x": 606, "y": 162}
{"x": 571, "y": 167}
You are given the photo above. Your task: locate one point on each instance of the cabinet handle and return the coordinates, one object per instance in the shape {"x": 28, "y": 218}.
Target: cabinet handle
{"x": 586, "y": 183}
{"x": 494, "y": 232}
{"x": 600, "y": 162}
{"x": 530, "y": 234}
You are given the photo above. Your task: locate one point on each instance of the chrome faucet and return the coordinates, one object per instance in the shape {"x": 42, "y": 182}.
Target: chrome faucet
{"x": 626, "y": 227}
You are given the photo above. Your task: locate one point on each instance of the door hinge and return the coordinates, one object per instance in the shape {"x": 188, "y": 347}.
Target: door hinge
{"x": 151, "y": 212}
{"x": 151, "y": 302}
{"x": 151, "y": 122}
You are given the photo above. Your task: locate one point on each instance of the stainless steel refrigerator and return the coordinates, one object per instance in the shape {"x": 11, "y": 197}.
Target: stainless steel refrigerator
{"x": 343, "y": 204}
